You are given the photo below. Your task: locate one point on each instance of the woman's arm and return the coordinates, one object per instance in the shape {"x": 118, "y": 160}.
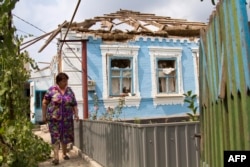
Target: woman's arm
{"x": 44, "y": 109}
{"x": 75, "y": 108}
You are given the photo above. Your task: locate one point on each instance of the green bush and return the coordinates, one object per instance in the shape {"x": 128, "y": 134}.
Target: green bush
{"x": 19, "y": 147}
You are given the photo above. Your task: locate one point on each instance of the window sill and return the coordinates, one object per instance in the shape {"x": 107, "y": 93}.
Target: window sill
{"x": 130, "y": 101}
{"x": 169, "y": 95}
{"x": 168, "y": 99}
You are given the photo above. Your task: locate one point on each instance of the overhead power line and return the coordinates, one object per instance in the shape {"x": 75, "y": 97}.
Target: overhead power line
{"x": 28, "y": 23}
{"x": 25, "y": 32}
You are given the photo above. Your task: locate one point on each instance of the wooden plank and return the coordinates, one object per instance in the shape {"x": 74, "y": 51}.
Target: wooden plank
{"x": 242, "y": 49}
{"x": 226, "y": 43}
{"x": 214, "y": 95}
{"x": 209, "y": 67}
{"x": 37, "y": 38}
{"x": 107, "y": 24}
{"x": 244, "y": 35}
{"x": 220, "y": 132}
{"x": 222, "y": 53}
{"x": 31, "y": 42}
{"x": 53, "y": 35}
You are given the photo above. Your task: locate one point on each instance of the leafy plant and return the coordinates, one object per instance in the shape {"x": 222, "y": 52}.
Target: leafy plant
{"x": 113, "y": 113}
{"x": 137, "y": 121}
{"x": 191, "y": 99}
{"x": 18, "y": 145}
{"x": 93, "y": 115}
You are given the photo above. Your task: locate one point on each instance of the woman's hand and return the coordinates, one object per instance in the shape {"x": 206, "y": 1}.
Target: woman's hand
{"x": 76, "y": 117}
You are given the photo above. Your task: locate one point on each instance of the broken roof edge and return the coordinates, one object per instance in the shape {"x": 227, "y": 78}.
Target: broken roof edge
{"x": 108, "y": 28}
{"x": 170, "y": 39}
{"x": 121, "y": 36}
{"x": 174, "y": 39}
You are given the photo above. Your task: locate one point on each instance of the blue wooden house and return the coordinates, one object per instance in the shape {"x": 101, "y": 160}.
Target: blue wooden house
{"x": 147, "y": 60}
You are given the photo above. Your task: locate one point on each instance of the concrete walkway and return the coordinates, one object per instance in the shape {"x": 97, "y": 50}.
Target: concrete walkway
{"x": 75, "y": 160}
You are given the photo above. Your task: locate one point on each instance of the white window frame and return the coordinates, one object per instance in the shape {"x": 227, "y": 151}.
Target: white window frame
{"x": 195, "y": 53}
{"x": 157, "y": 52}
{"x": 120, "y": 51}
{"x": 122, "y": 78}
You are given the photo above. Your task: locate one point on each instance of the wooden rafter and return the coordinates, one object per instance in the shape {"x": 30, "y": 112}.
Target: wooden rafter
{"x": 140, "y": 22}
{"x": 53, "y": 35}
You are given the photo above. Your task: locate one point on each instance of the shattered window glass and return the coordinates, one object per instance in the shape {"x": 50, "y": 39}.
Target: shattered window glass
{"x": 166, "y": 76}
{"x": 121, "y": 76}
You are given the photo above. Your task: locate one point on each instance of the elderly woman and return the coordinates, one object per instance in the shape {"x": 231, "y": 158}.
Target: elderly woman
{"x": 59, "y": 106}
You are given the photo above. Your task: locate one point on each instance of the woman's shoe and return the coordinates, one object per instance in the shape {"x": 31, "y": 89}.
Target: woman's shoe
{"x": 55, "y": 162}
{"x": 66, "y": 157}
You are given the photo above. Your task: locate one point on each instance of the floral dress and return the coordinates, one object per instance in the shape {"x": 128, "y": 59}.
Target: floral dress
{"x": 60, "y": 114}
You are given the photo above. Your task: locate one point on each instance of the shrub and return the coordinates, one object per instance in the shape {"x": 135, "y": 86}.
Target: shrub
{"x": 191, "y": 99}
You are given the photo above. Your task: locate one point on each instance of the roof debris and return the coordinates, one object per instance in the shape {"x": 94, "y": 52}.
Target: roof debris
{"x": 125, "y": 24}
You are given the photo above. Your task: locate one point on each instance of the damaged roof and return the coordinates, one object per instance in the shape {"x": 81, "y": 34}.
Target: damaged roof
{"x": 126, "y": 24}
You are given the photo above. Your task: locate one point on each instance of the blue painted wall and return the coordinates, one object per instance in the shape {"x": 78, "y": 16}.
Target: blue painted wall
{"x": 146, "y": 108}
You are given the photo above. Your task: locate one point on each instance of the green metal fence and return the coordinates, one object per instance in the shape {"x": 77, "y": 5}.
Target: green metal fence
{"x": 224, "y": 82}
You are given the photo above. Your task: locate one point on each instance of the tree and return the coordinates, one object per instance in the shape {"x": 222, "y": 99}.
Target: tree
{"x": 18, "y": 145}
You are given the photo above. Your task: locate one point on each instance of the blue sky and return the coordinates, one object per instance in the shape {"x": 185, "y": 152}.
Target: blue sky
{"x": 48, "y": 14}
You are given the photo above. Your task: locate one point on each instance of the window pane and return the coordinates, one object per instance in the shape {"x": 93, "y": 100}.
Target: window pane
{"x": 115, "y": 73}
{"x": 115, "y": 86}
{"x": 126, "y": 73}
{"x": 162, "y": 85}
{"x": 166, "y": 63}
{"x": 126, "y": 85}
{"x": 171, "y": 84}
{"x": 166, "y": 76}
{"x": 121, "y": 76}
{"x": 120, "y": 63}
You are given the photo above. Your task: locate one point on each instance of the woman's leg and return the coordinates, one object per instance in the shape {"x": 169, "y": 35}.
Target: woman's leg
{"x": 55, "y": 139}
{"x": 56, "y": 147}
{"x": 64, "y": 149}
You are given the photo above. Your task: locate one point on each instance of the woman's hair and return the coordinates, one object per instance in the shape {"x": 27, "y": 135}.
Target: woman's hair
{"x": 60, "y": 76}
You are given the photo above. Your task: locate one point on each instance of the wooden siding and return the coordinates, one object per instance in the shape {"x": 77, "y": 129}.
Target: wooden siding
{"x": 224, "y": 82}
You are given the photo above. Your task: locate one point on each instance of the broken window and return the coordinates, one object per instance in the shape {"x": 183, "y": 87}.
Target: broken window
{"x": 166, "y": 76}
{"x": 121, "y": 76}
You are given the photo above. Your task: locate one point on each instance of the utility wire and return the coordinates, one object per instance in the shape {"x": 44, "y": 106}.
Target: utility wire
{"x": 28, "y": 23}
{"x": 67, "y": 61}
{"x": 26, "y": 32}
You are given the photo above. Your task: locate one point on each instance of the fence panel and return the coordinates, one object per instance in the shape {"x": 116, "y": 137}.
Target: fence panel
{"x": 224, "y": 82}
{"x": 120, "y": 144}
